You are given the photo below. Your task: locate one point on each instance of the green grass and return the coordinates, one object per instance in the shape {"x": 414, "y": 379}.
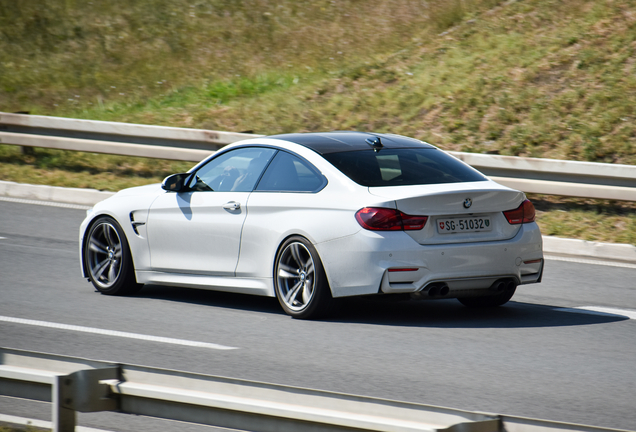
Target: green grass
{"x": 586, "y": 219}
{"x": 83, "y": 170}
{"x": 540, "y": 78}
{"x": 21, "y": 429}
{"x": 545, "y": 78}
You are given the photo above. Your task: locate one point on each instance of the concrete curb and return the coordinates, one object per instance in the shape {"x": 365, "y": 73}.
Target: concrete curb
{"x": 551, "y": 245}
{"x": 53, "y": 193}
{"x": 589, "y": 249}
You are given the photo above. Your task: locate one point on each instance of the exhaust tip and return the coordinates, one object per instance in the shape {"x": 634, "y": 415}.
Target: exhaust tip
{"x": 438, "y": 290}
{"x": 503, "y": 285}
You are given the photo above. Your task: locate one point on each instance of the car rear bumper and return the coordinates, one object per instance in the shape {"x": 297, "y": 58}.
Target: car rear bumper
{"x": 371, "y": 262}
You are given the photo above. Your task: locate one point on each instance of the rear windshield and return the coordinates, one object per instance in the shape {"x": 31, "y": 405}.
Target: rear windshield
{"x": 402, "y": 167}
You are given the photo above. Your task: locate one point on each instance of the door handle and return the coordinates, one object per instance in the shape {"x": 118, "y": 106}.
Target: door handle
{"x": 232, "y": 205}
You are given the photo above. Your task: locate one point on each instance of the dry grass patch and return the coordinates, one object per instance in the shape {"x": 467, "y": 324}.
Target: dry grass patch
{"x": 586, "y": 219}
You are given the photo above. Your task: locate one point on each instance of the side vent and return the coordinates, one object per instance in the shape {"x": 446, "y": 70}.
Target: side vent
{"x": 136, "y": 223}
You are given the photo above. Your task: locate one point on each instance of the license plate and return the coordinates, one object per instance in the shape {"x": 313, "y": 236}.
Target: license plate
{"x": 469, "y": 224}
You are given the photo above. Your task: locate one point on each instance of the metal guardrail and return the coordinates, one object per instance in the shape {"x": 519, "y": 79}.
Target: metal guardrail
{"x": 125, "y": 139}
{"x": 557, "y": 177}
{"x": 75, "y": 384}
{"x": 544, "y": 176}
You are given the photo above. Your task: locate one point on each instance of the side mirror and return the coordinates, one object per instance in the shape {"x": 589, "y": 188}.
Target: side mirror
{"x": 175, "y": 182}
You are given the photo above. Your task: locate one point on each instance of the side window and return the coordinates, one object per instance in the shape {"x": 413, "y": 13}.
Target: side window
{"x": 289, "y": 173}
{"x": 237, "y": 170}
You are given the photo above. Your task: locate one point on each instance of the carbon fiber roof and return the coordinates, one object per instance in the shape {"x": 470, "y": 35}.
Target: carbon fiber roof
{"x": 342, "y": 141}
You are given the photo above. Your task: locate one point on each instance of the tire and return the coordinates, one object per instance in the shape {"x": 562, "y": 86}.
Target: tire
{"x": 488, "y": 301}
{"x": 300, "y": 281}
{"x": 107, "y": 259}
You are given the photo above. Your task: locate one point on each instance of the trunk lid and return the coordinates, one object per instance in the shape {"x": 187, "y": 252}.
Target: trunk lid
{"x": 457, "y": 212}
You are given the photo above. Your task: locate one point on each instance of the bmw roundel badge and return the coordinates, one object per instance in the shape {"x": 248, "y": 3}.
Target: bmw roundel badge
{"x": 468, "y": 202}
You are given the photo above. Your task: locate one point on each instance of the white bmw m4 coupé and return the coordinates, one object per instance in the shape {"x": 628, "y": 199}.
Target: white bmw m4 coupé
{"x": 309, "y": 218}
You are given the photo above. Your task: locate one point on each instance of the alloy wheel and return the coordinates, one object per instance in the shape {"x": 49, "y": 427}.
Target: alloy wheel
{"x": 104, "y": 253}
{"x": 295, "y": 274}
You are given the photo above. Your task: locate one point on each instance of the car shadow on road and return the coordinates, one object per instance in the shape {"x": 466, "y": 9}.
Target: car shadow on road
{"x": 246, "y": 302}
{"x": 451, "y": 314}
{"x": 383, "y": 311}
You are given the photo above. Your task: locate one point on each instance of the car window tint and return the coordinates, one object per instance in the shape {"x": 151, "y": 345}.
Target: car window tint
{"x": 288, "y": 173}
{"x": 402, "y": 167}
{"x": 237, "y": 170}
{"x": 389, "y": 166}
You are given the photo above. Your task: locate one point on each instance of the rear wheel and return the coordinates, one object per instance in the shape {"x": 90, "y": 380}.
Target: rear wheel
{"x": 300, "y": 280}
{"x": 488, "y": 301}
{"x": 107, "y": 259}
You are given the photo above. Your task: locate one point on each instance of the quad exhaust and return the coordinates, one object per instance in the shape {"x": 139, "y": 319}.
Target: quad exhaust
{"x": 438, "y": 289}
{"x": 501, "y": 285}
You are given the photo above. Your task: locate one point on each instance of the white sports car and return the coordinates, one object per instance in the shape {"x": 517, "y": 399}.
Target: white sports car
{"x": 312, "y": 217}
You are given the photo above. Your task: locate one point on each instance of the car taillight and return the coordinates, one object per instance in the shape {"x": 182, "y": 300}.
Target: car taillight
{"x": 385, "y": 219}
{"x": 523, "y": 214}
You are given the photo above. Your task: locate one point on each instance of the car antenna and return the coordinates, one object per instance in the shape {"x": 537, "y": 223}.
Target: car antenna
{"x": 375, "y": 143}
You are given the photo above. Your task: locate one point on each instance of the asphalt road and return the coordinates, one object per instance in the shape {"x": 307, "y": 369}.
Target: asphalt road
{"x": 529, "y": 358}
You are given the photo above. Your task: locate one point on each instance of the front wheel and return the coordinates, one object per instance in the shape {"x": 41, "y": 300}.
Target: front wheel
{"x": 300, "y": 280}
{"x": 107, "y": 259}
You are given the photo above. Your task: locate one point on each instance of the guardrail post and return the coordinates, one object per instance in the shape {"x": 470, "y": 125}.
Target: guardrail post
{"x": 64, "y": 419}
{"x": 82, "y": 391}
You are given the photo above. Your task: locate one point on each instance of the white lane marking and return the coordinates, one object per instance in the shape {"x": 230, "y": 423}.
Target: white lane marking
{"x": 116, "y": 333}
{"x": 40, "y": 423}
{"x": 597, "y": 310}
{"x": 590, "y": 261}
{"x": 3, "y": 238}
{"x": 48, "y": 249}
{"x": 45, "y": 203}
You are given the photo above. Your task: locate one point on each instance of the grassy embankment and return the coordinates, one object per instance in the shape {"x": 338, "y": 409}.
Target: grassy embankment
{"x": 541, "y": 78}
{"x": 19, "y": 428}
